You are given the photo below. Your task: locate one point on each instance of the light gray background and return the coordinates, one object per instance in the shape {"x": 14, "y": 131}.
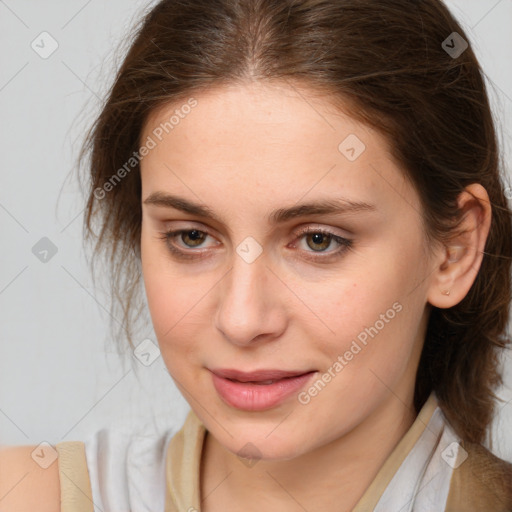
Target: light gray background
{"x": 60, "y": 375}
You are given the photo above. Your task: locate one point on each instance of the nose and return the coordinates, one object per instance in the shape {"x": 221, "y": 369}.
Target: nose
{"x": 250, "y": 309}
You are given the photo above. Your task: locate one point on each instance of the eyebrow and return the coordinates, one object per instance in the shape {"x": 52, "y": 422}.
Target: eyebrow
{"x": 328, "y": 206}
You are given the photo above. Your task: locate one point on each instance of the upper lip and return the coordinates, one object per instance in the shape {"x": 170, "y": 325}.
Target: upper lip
{"x": 257, "y": 375}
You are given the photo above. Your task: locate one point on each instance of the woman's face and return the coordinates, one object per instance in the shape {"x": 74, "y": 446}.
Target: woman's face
{"x": 333, "y": 293}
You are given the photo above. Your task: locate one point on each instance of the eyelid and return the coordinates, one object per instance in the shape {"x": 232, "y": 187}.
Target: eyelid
{"x": 316, "y": 228}
{"x": 304, "y": 228}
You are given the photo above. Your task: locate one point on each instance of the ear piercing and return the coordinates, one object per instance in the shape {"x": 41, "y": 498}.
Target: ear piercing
{"x": 455, "y": 253}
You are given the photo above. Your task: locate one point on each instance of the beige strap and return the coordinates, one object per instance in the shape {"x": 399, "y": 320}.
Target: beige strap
{"x": 481, "y": 482}
{"x": 183, "y": 461}
{"x": 376, "y": 489}
{"x": 75, "y": 485}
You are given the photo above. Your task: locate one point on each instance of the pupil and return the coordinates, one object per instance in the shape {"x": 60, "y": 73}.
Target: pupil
{"x": 319, "y": 241}
{"x": 191, "y": 237}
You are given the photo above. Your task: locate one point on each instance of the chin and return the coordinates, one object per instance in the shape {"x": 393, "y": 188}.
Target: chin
{"x": 256, "y": 444}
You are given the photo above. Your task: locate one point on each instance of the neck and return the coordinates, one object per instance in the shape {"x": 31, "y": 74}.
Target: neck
{"x": 332, "y": 477}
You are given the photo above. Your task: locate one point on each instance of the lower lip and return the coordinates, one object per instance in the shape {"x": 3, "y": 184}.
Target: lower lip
{"x": 258, "y": 397}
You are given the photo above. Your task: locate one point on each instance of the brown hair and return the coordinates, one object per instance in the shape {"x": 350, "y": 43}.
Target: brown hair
{"x": 385, "y": 62}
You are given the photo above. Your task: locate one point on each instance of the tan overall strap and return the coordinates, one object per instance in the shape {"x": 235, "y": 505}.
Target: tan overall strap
{"x": 374, "y": 492}
{"x": 75, "y": 485}
{"x": 483, "y": 482}
{"x": 183, "y": 461}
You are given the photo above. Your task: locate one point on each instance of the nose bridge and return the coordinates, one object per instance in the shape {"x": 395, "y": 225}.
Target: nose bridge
{"x": 248, "y": 270}
{"x": 244, "y": 285}
{"x": 246, "y": 309}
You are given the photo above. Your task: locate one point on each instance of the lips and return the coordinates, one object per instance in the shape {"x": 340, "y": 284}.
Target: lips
{"x": 258, "y": 390}
{"x": 258, "y": 376}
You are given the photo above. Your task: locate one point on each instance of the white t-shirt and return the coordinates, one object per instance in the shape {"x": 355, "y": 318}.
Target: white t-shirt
{"x": 127, "y": 469}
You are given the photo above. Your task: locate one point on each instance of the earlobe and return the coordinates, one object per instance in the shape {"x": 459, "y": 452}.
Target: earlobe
{"x": 459, "y": 262}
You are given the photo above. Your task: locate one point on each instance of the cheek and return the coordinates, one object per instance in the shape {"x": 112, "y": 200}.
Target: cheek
{"x": 354, "y": 299}
{"x": 371, "y": 313}
{"x": 176, "y": 299}
{"x": 173, "y": 305}
{"x": 172, "y": 318}
{"x": 165, "y": 294}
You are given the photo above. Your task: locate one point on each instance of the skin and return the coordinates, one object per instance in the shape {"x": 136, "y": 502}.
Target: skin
{"x": 245, "y": 151}
{"x": 24, "y": 485}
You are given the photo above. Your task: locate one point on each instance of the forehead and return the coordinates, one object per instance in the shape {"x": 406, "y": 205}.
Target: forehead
{"x": 277, "y": 140}
{"x": 255, "y": 109}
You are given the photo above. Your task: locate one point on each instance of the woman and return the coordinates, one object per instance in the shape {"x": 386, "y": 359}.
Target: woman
{"x": 312, "y": 193}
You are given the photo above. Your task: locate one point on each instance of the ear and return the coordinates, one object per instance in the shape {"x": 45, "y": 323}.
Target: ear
{"x": 459, "y": 262}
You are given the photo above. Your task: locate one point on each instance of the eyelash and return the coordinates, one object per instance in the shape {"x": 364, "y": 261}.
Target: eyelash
{"x": 344, "y": 243}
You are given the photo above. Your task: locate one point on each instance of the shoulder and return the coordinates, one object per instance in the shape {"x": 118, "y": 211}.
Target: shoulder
{"x": 481, "y": 482}
{"x": 29, "y": 479}
{"x": 116, "y": 468}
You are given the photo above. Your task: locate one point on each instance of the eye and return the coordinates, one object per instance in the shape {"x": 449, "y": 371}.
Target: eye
{"x": 195, "y": 237}
{"x": 191, "y": 238}
{"x": 319, "y": 240}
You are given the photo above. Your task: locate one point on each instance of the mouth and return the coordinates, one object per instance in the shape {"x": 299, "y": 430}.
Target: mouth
{"x": 258, "y": 390}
